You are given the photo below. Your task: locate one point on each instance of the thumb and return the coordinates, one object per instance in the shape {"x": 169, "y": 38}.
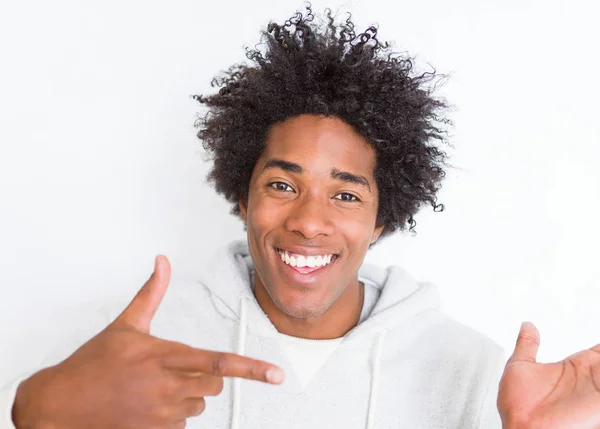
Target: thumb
{"x": 528, "y": 343}
{"x": 141, "y": 309}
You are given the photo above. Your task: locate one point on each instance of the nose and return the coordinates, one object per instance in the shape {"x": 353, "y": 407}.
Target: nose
{"x": 310, "y": 217}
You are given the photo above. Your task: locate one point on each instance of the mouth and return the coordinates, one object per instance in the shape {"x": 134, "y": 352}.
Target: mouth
{"x": 305, "y": 264}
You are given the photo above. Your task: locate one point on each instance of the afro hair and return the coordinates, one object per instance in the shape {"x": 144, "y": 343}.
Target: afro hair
{"x": 330, "y": 70}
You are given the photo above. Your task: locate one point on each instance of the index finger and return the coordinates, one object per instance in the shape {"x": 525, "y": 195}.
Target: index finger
{"x": 223, "y": 364}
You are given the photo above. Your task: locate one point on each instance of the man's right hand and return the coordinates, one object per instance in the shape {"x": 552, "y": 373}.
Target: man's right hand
{"x": 126, "y": 378}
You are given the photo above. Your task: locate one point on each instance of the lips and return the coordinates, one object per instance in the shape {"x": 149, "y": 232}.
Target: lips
{"x": 302, "y": 264}
{"x": 306, "y": 251}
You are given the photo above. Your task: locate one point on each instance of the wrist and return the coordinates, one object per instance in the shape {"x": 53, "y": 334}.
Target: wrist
{"x": 515, "y": 426}
{"x": 25, "y": 411}
{"x": 18, "y": 412}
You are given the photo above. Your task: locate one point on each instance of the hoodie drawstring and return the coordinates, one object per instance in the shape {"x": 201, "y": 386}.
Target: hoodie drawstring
{"x": 375, "y": 379}
{"x": 241, "y": 350}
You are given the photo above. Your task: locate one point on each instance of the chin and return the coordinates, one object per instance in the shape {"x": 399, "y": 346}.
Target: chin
{"x": 300, "y": 310}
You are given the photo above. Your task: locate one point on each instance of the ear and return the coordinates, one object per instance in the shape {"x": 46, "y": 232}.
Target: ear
{"x": 376, "y": 233}
{"x": 243, "y": 204}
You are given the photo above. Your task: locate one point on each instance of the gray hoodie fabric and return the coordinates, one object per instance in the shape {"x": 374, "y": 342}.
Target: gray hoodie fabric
{"x": 408, "y": 365}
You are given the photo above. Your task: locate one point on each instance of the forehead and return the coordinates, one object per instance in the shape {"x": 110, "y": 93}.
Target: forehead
{"x": 320, "y": 143}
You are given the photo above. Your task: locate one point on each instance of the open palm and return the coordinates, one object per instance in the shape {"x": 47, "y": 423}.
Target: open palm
{"x": 560, "y": 395}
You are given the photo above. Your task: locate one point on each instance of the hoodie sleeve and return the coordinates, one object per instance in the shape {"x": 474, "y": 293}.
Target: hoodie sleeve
{"x": 489, "y": 417}
{"x": 74, "y": 326}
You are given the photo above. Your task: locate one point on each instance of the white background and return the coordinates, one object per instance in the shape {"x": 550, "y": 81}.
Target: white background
{"x": 100, "y": 168}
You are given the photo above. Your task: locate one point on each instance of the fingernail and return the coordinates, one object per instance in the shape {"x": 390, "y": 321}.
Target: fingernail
{"x": 274, "y": 376}
{"x": 525, "y": 323}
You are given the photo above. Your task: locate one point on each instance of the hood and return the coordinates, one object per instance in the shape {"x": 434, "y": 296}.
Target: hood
{"x": 227, "y": 278}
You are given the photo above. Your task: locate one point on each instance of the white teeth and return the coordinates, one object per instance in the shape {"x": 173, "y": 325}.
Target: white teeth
{"x": 305, "y": 261}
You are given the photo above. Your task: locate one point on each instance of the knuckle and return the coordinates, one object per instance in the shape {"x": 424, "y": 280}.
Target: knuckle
{"x": 219, "y": 385}
{"x": 162, "y": 413}
{"x": 179, "y": 424}
{"x": 254, "y": 371}
{"x": 171, "y": 387}
{"x": 528, "y": 338}
{"x": 212, "y": 385}
{"x": 220, "y": 364}
{"x": 198, "y": 407}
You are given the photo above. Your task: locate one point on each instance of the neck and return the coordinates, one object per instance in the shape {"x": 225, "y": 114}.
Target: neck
{"x": 335, "y": 322}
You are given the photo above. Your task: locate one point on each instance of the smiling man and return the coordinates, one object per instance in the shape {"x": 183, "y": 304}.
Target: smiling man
{"x": 311, "y": 215}
{"x": 326, "y": 144}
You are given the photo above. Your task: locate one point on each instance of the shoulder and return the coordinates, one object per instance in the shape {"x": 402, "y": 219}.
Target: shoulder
{"x": 440, "y": 341}
{"x": 457, "y": 339}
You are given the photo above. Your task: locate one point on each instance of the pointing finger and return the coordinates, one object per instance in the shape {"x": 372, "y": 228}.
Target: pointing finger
{"x": 223, "y": 365}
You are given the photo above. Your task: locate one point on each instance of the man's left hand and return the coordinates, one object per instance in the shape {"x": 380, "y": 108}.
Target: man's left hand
{"x": 561, "y": 395}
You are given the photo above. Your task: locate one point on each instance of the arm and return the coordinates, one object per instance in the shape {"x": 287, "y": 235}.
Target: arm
{"x": 7, "y": 399}
{"x": 143, "y": 381}
{"x": 76, "y": 325}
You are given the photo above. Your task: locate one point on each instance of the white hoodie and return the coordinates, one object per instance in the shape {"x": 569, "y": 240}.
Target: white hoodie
{"x": 406, "y": 366}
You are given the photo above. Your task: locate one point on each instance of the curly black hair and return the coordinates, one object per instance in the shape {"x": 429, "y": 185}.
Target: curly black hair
{"x": 330, "y": 70}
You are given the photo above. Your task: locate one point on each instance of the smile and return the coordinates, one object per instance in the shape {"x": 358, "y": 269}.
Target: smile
{"x": 305, "y": 264}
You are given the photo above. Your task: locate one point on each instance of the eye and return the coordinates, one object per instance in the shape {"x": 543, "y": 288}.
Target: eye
{"x": 345, "y": 196}
{"x": 280, "y": 186}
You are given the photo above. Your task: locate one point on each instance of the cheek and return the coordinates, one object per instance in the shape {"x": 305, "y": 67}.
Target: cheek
{"x": 358, "y": 233}
{"x": 263, "y": 216}
{"x": 357, "y": 222}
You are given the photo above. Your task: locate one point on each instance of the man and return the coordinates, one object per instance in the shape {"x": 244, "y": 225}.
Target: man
{"x": 323, "y": 147}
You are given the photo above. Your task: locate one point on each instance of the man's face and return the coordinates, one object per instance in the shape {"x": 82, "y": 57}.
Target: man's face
{"x": 312, "y": 203}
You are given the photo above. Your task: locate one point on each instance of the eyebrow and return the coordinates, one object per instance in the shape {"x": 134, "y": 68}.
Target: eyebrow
{"x": 290, "y": 167}
{"x": 344, "y": 176}
{"x": 336, "y": 173}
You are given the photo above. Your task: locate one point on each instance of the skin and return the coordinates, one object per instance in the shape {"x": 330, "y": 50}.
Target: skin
{"x": 132, "y": 379}
{"x": 557, "y": 395}
{"x": 308, "y": 209}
